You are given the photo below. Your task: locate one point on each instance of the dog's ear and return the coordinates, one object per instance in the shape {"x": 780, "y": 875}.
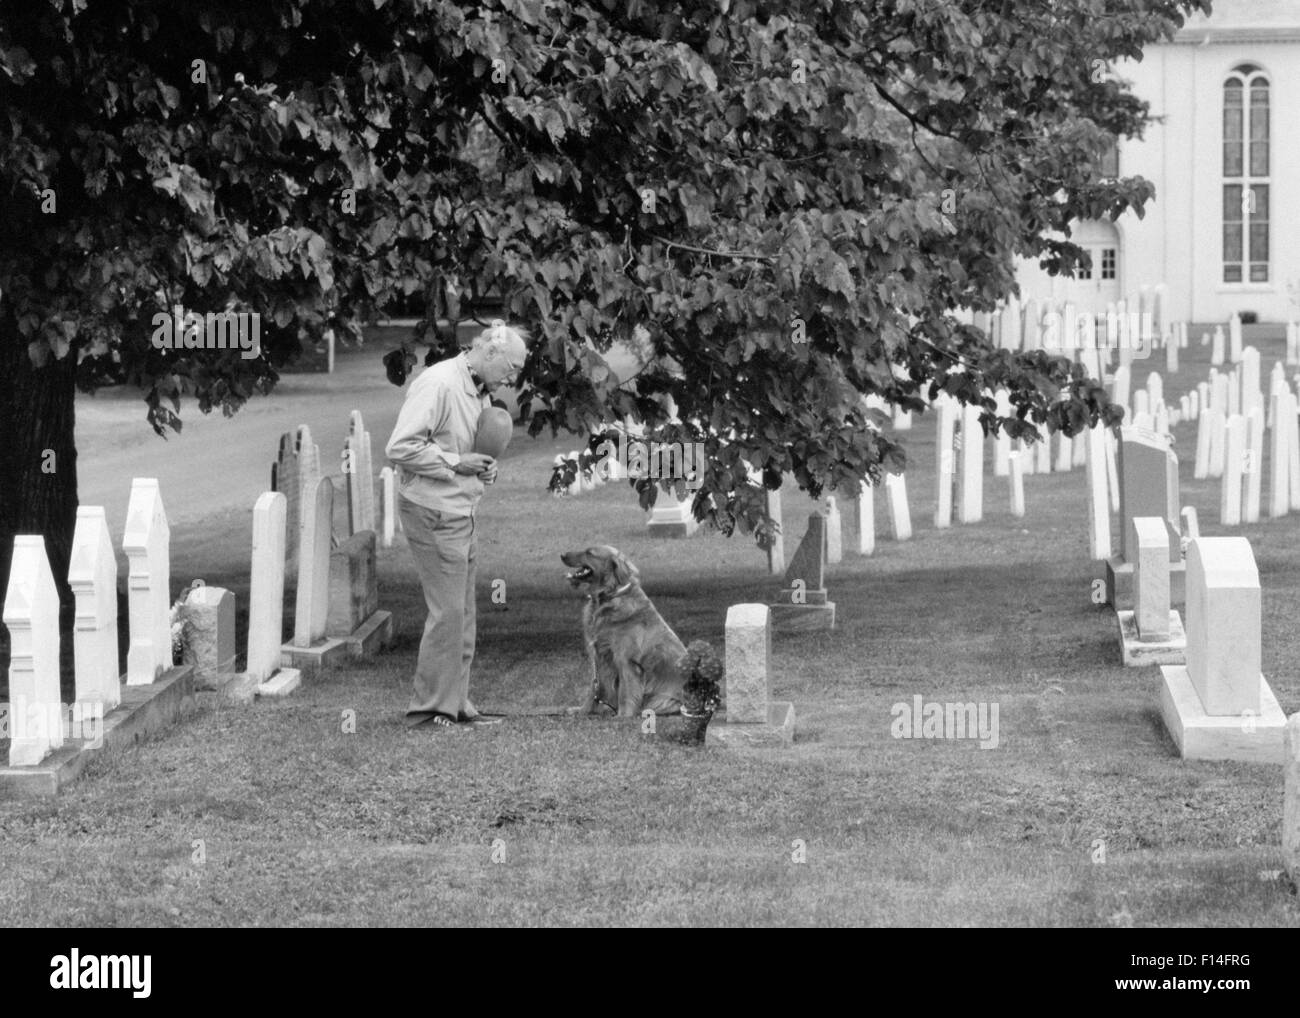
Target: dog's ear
{"x": 624, "y": 571}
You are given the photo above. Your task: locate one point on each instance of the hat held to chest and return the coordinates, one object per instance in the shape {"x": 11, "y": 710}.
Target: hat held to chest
{"x": 493, "y": 432}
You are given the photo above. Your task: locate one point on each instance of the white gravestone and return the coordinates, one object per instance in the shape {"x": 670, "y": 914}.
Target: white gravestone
{"x": 834, "y": 532}
{"x": 314, "y": 533}
{"x": 285, "y": 477}
{"x": 1012, "y": 327}
{"x": 1219, "y": 705}
{"x": 1151, "y": 578}
{"x": 1027, "y": 454}
{"x": 865, "y": 518}
{"x": 388, "y": 503}
{"x": 1276, "y": 386}
{"x": 1161, "y": 417}
{"x": 1291, "y": 422}
{"x": 1112, "y": 469}
{"x": 1002, "y": 442}
{"x": 748, "y": 654}
{"x": 147, "y": 543}
{"x": 1221, "y": 394}
{"x": 1064, "y": 452}
{"x": 753, "y": 718}
{"x": 1224, "y": 622}
{"x": 1234, "y": 458}
{"x": 1017, "y": 484}
{"x": 1120, "y": 386}
{"x": 1043, "y": 452}
{"x": 1253, "y": 465}
{"x": 670, "y": 517}
{"x": 970, "y": 506}
{"x": 266, "y": 587}
{"x": 1279, "y": 459}
{"x": 309, "y": 469}
{"x": 1098, "y": 500}
{"x": 900, "y": 517}
{"x": 92, "y": 575}
{"x": 1249, "y": 380}
{"x": 1218, "y": 426}
{"x": 1069, "y": 330}
{"x": 945, "y": 428}
{"x": 1031, "y": 337}
{"x": 362, "y": 478}
{"x": 1155, "y": 389}
{"x": 31, "y": 612}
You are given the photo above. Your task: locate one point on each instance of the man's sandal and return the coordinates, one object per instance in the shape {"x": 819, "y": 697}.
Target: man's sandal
{"x": 479, "y": 719}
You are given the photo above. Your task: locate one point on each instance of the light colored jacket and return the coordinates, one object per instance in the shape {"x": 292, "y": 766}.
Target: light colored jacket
{"x": 435, "y": 428}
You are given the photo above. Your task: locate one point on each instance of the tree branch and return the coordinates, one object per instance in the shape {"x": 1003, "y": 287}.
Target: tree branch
{"x": 712, "y": 253}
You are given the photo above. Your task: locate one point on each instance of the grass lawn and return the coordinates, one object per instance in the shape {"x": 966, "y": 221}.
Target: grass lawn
{"x": 273, "y": 814}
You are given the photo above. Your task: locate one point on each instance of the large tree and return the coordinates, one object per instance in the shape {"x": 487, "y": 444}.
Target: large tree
{"x": 793, "y": 198}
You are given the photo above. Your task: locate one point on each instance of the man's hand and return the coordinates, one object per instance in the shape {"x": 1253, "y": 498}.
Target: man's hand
{"x": 474, "y": 463}
{"x": 489, "y": 476}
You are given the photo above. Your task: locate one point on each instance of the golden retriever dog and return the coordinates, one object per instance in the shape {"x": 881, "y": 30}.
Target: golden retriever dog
{"x": 634, "y": 653}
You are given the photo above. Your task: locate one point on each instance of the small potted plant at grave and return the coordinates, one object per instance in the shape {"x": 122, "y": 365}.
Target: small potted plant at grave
{"x": 702, "y": 692}
{"x": 179, "y": 625}
{"x": 564, "y": 476}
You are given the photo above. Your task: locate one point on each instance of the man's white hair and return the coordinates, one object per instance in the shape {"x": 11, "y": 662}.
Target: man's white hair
{"x": 499, "y": 332}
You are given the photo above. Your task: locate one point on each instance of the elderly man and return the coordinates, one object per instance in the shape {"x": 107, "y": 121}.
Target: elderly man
{"x": 440, "y": 482}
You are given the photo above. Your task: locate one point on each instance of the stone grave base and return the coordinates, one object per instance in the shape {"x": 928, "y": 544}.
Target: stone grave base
{"x": 778, "y": 731}
{"x": 672, "y": 522}
{"x": 144, "y": 710}
{"x": 1119, "y": 583}
{"x": 327, "y": 653}
{"x": 372, "y": 636}
{"x": 1139, "y": 653}
{"x": 364, "y": 642}
{"x": 1200, "y": 736}
{"x": 282, "y": 683}
{"x": 797, "y": 618}
{"x": 236, "y": 687}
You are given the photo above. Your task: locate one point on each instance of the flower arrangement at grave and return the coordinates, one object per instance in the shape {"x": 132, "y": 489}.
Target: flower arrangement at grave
{"x": 564, "y": 473}
{"x": 178, "y": 624}
{"x": 177, "y": 627}
{"x": 702, "y": 693}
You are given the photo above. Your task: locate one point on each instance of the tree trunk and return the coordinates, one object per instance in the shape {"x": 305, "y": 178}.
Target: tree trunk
{"x": 38, "y": 465}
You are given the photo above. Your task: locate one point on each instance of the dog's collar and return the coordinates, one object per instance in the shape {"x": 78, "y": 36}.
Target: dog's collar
{"x": 602, "y": 598}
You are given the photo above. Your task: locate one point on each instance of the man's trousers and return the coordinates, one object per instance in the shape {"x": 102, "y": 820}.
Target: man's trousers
{"x": 445, "y": 551}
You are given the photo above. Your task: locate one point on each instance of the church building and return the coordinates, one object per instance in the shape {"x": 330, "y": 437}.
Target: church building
{"x": 1223, "y": 151}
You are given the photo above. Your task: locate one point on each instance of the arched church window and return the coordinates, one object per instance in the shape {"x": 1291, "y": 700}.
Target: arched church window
{"x": 1246, "y": 181}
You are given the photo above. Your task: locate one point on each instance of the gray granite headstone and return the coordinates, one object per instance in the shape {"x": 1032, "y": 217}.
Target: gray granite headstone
{"x": 209, "y": 617}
